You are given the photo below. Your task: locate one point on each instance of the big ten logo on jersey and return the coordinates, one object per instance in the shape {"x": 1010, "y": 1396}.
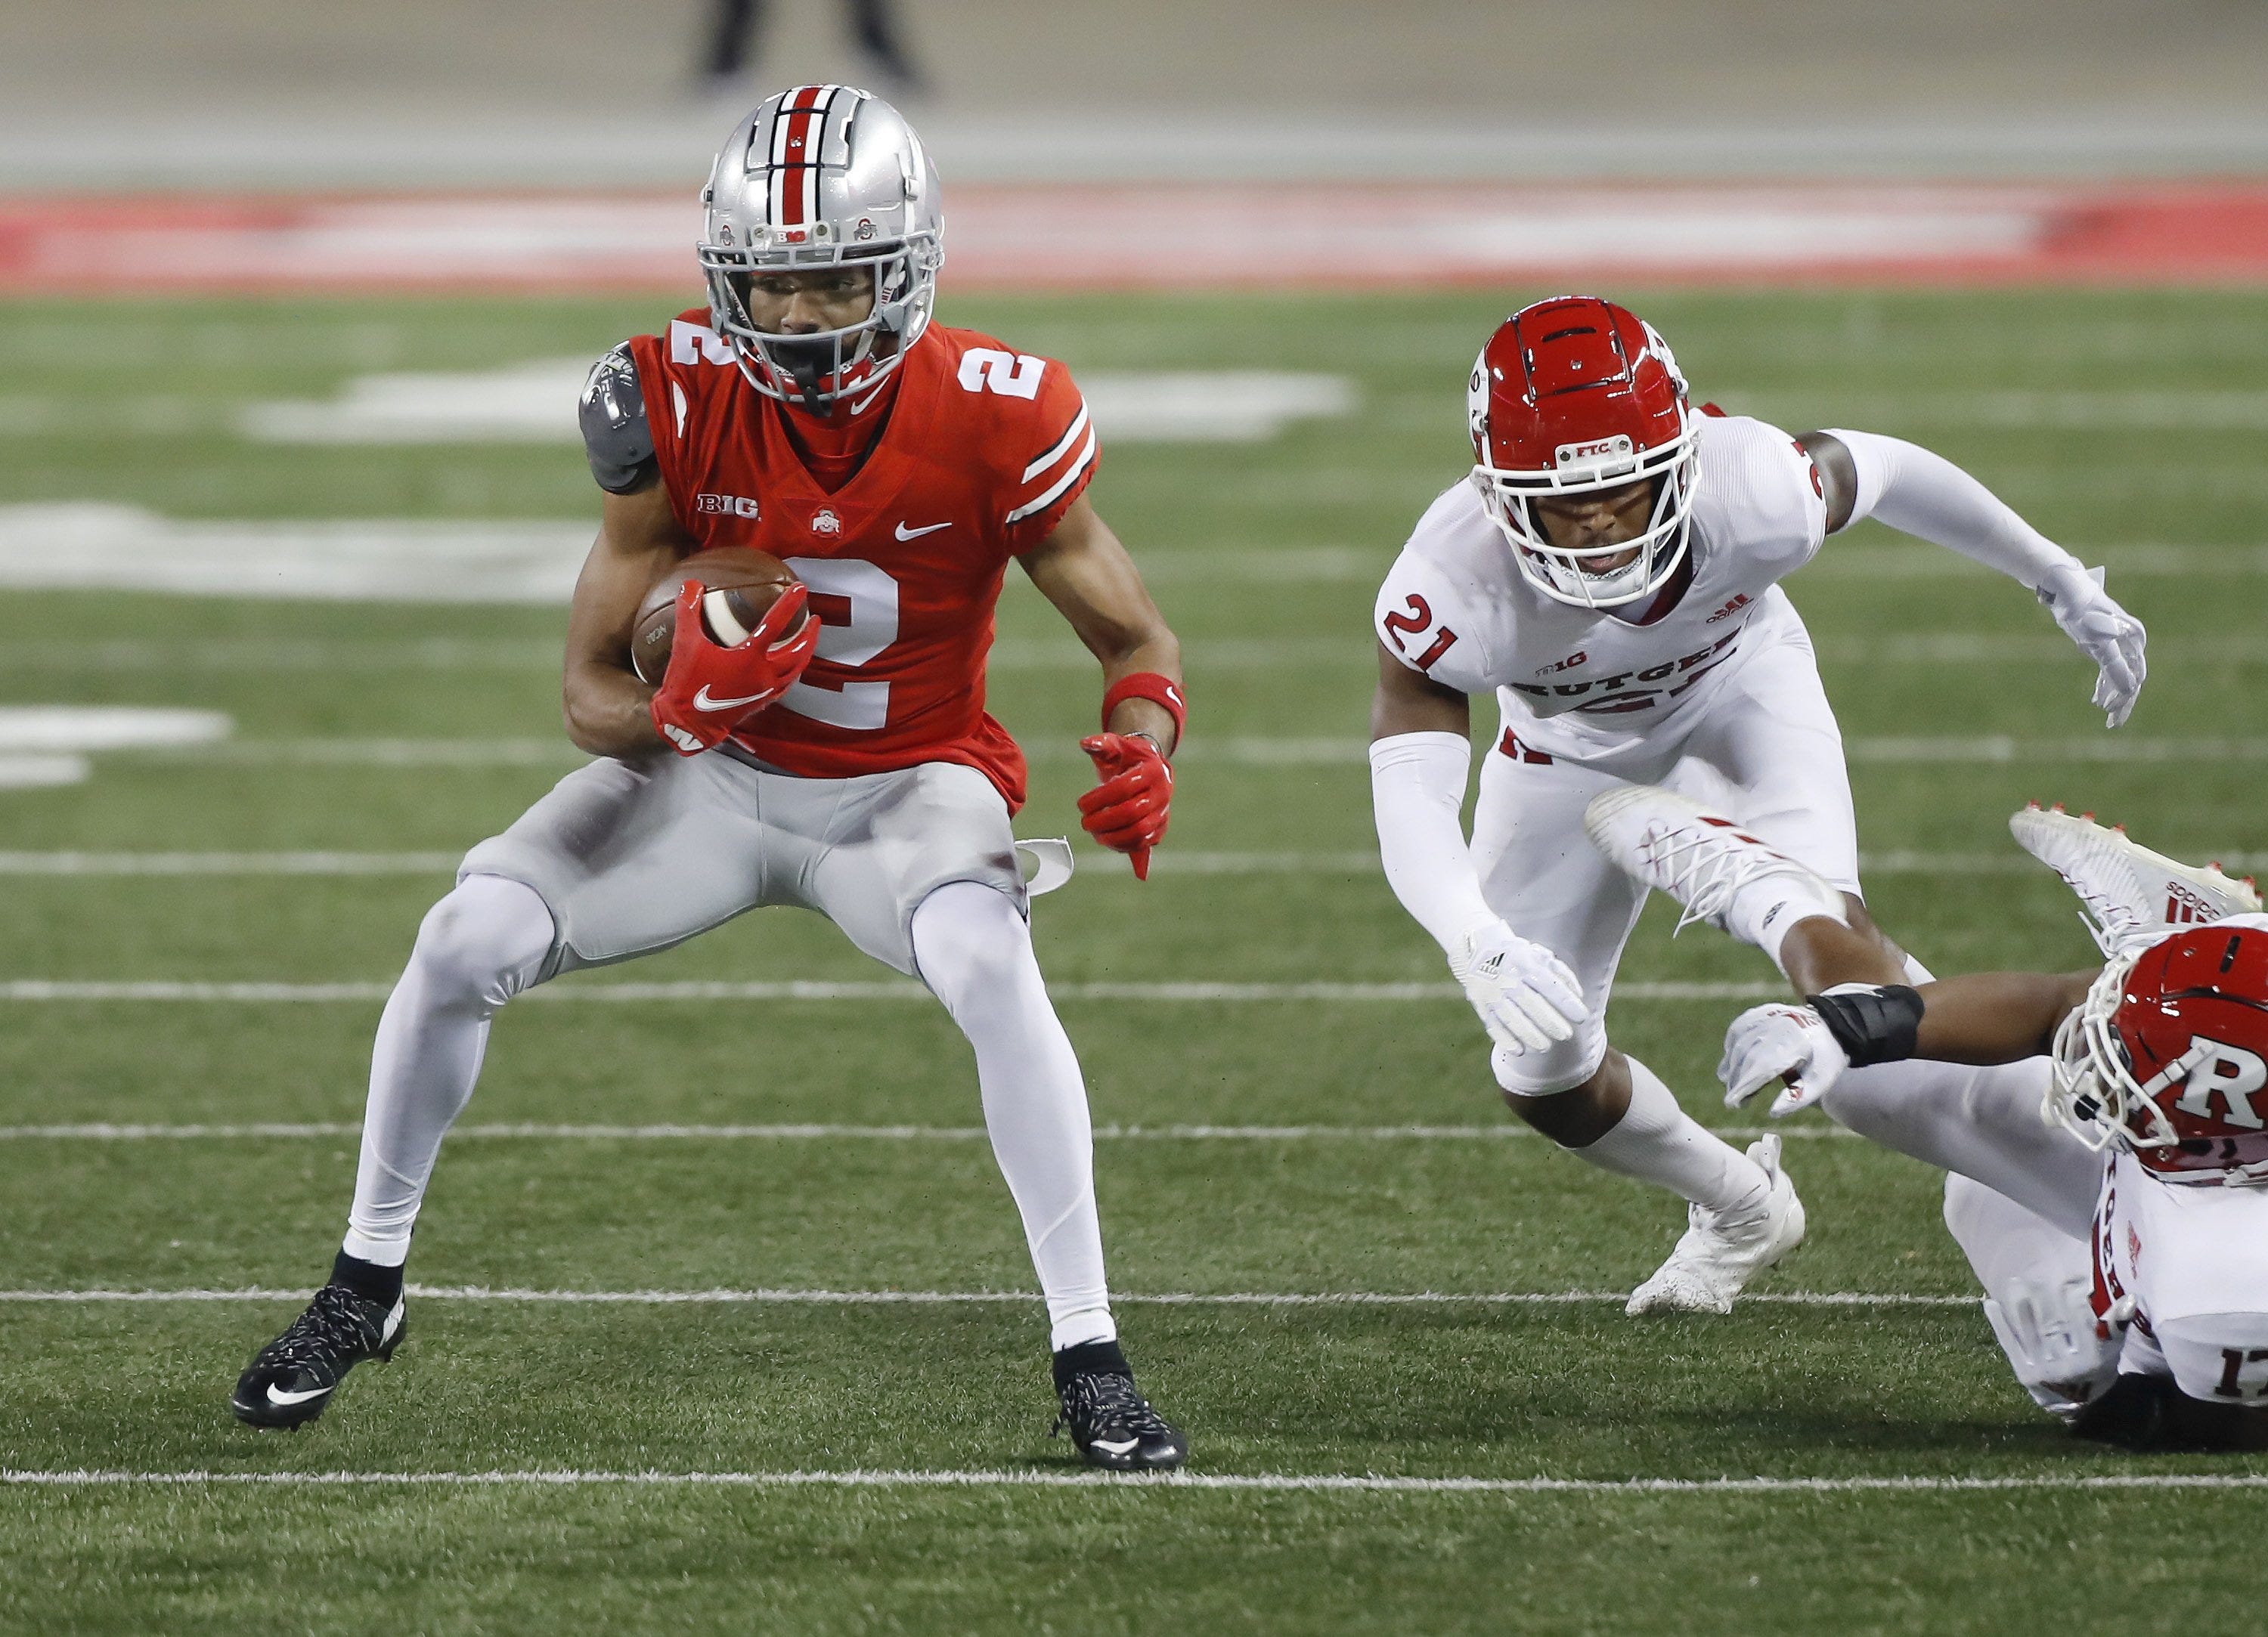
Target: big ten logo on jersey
{"x": 1413, "y": 619}
{"x": 697, "y": 343}
{"x": 726, "y": 505}
{"x": 1010, "y": 374}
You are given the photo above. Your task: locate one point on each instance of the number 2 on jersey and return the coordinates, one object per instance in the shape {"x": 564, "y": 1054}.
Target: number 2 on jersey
{"x": 871, "y": 597}
{"x": 1414, "y": 623}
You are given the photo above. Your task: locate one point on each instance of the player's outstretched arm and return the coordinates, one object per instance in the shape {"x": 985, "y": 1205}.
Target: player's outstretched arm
{"x": 609, "y": 710}
{"x": 1996, "y": 1017}
{"x": 1979, "y": 1018}
{"x": 1082, "y": 569}
{"x": 1420, "y": 761}
{"x": 1866, "y": 475}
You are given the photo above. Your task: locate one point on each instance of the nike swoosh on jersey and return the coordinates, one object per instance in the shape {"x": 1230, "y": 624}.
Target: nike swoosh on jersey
{"x": 905, "y": 533}
{"x": 702, "y": 702}
{"x": 285, "y": 1398}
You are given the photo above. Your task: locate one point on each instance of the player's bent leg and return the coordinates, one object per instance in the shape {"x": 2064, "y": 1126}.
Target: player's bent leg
{"x": 973, "y": 948}
{"x": 480, "y": 946}
{"x": 483, "y": 943}
{"x": 1717, "y": 871}
{"x": 1979, "y": 1122}
{"x": 2038, "y": 1280}
{"x": 1744, "y": 1215}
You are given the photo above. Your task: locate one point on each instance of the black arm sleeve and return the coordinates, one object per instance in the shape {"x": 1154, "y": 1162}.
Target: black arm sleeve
{"x": 1873, "y": 1025}
{"x": 616, "y": 439}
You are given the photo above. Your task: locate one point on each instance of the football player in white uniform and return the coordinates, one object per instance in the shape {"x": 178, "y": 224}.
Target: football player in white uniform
{"x": 1610, "y": 573}
{"x": 2128, "y": 1288}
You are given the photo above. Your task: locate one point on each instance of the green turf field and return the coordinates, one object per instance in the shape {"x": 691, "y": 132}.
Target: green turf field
{"x": 2128, "y": 426}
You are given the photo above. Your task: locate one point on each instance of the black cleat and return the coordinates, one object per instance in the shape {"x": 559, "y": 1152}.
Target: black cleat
{"x": 1111, "y": 1424}
{"x": 290, "y": 1379}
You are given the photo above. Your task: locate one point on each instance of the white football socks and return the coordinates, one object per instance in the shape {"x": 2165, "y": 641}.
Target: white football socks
{"x": 1766, "y": 909}
{"x": 1658, "y": 1142}
{"x": 478, "y": 947}
{"x": 975, "y": 951}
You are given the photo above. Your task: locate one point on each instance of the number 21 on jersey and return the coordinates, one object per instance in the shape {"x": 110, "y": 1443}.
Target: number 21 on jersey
{"x": 1413, "y": 623}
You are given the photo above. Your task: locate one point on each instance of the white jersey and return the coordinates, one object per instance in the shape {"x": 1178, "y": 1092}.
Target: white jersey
{"x": 1575, "y": 681}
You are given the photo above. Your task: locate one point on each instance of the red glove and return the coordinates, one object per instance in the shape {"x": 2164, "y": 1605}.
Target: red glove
{"x": 1127, "y": 812}
{"x": 709, "y": 690}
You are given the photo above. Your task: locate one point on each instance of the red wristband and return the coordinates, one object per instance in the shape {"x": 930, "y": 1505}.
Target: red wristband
{"x": 1158, "y": 690}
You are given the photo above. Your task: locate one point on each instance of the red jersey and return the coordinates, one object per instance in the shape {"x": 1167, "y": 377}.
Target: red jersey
{"x": 985, "y": 450}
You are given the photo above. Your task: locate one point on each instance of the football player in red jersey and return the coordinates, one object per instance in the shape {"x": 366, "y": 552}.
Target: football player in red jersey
{"x": 2122, "y": 1242}
{"x": 839, "y": 758}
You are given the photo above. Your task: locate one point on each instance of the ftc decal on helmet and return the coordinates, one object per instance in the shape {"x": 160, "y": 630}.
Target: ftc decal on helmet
{"x": 2169, "y": 1055}
{"x": 1574, "y": 396}
{"x": 823, "y": 176}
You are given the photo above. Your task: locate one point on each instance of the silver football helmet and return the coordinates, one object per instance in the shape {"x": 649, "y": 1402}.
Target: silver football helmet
{"x": 823, "y": 176}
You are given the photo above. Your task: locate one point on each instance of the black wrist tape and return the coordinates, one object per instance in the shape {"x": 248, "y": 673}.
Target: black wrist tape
{"x": 1871, "y": 1025}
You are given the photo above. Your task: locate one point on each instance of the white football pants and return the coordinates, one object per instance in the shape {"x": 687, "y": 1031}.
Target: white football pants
{"x": 488, "y": 940}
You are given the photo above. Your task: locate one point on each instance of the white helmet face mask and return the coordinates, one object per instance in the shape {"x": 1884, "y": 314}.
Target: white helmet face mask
{"x": 2092, "y": 1093}
{"x": 823, "y": 176}
{"x": 1576, "y": 575}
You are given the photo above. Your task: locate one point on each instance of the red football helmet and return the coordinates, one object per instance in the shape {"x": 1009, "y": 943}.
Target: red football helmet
{"x": 2169, "y": 1055}
{"x": 1571, "y": 396}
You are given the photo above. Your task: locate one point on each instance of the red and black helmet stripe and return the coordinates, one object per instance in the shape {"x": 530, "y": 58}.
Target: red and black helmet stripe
{"x": 797, "y": 139}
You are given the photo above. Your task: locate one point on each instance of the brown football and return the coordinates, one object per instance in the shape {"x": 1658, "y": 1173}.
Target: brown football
{"x": 742, "y": 585}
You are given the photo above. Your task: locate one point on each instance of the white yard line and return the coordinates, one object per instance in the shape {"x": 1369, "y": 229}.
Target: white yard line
{"x": 106, "y": 1131}
{"x": 1018, "y": 654}
{"x": 959, "y": 1298}
{"x": 1334, "y": 1483}
{"x": 1242, "y": 751}
{"x": 38, "y": 990}
{"x": 1169, "y": 862}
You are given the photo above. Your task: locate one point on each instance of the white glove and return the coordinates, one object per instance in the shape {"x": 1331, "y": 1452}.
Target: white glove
{"x": 1525, "y": 995}
{"x": 2105, "y": 632}
{"x": 1768, "y": 1042}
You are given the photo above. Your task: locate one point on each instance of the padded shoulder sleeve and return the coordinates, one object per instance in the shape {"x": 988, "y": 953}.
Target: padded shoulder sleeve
{"x": 1422, "y": 618}
{"x": 616, "y": 439}
{"x": 1047, "y": 448}
{"x": 1766, "y": 495}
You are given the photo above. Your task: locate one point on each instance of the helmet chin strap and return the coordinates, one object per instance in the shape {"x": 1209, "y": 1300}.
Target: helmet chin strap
{"x": 803, "y": 362}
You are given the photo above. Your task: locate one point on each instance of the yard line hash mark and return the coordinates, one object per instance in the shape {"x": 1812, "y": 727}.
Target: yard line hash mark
{"x": 110, "y": 1131}
{"x": 760, "y": 1297}
{"x": 1353, "y": 1483}
{"x": 66, "y": 990}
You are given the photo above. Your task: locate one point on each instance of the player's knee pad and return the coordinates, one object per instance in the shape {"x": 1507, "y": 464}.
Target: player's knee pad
{"x": 1566, "y": 1066}
{"x": 484, "y": 942}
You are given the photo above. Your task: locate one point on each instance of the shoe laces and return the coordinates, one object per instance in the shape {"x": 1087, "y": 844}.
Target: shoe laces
{"x": 1094, "y": 1401}
{"x": 336, "y": 1320}
{"x": 1706, "y": 870}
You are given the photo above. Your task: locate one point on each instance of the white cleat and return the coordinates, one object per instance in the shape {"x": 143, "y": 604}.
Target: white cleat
{"x": 1703, "y": 860}
{"x": 2132, "y": 894}
{"x": 1718, "y": 1256}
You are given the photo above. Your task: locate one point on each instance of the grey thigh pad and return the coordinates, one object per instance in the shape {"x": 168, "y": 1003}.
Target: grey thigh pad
{"x": 895, "y": 838}
{"x": 633, "y": 857}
